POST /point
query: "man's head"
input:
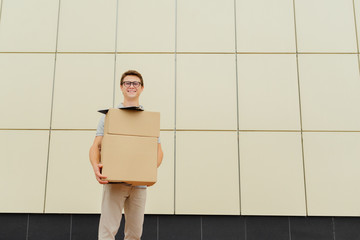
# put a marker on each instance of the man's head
(131, 73)
(131, 84)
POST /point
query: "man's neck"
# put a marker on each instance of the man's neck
(130, 103)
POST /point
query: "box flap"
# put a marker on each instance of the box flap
(104, 111)
(134, 123)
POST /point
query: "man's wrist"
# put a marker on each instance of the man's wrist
(95, 166)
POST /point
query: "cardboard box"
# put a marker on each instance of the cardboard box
(129, 146)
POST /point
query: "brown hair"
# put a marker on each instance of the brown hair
(131, 73)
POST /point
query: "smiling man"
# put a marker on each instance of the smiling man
(119, 196)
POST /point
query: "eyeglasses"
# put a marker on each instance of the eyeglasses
(128, 84)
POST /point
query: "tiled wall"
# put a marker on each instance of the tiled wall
(259, 102)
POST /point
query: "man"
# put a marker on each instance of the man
(117, 197)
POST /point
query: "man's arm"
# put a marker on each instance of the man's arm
(94, 155)
(160, 155)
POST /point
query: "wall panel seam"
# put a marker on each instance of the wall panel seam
(1, 9)
(115, 57)
(201, 227)
(175, 104)
(237, 108)
(355, 22)
(189, 130)
(52, 106)
(300, 112)
(27, 226)
(182, 53)
(157, 228)
(289, 225)
(356, 33)
(333, 227)
(70, 227)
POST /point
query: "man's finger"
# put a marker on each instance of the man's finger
(103, 181)
(100, 175)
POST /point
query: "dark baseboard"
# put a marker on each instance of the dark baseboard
(23, 226)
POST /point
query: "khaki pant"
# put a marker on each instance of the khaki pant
(117, 197)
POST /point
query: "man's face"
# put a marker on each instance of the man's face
(131, 91)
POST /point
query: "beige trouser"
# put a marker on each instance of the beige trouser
(117, 197)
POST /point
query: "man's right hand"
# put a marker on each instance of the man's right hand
(99, 177)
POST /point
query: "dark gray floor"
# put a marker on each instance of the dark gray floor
(177, 227)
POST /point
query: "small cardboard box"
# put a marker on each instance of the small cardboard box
(129, 146)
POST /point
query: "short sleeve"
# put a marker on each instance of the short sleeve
(100, 127)
(159, 140)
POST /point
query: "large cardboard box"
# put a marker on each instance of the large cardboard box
(129, 146)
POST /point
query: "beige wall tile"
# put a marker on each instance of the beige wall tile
(93, 30)
(329, 88)
(206, 92)
(158, 71)
(205, 26)
(268, 92)
(207, 180)
(71, 185)
(265, 26)
(24, 160)
(29, 26)
(26, 89)
(146, 26)
(83, 84)
(160, 197)
(325, 26)
(271, 174)
(332, 173)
